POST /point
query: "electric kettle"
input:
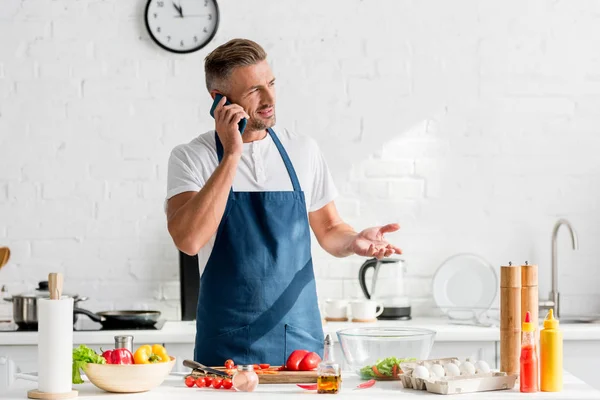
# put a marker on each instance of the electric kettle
(387, 286)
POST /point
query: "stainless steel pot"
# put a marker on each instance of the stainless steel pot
(25, 306)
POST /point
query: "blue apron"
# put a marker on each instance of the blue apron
(257, 300)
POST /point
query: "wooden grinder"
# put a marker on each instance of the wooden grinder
(530, 294)
(510, 318)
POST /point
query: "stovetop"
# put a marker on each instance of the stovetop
(82, 325)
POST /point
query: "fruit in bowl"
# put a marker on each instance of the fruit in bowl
(376, 352)
(121, 372)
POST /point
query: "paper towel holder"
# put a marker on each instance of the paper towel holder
(55, 285)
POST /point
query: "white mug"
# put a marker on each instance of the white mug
(366, 309)
(336, 308)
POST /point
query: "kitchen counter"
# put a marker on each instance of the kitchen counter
(185, 331)
(173, 387)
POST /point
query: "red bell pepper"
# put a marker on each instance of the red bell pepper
(118, 356)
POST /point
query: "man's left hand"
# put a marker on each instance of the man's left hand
(371, 242)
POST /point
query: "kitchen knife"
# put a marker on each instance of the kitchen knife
(206, 370)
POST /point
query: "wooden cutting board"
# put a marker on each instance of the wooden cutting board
(283, 376)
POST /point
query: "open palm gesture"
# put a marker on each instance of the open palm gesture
(371, 242)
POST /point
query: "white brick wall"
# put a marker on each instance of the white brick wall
(475, 125)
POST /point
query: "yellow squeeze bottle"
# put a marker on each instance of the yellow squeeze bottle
(551, 355)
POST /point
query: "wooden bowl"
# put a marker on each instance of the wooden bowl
(128, 378)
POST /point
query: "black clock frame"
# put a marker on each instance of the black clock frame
(201, 46)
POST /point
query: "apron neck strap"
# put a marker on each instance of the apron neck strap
(282, 153)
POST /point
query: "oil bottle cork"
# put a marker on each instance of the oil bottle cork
(510, 318)
(530, 294)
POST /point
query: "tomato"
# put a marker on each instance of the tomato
(264, 366)
(294, 359)
(190, 381)
(227, 384)
(256, 367)
(309, 362)
(208, 380)
(217, 382)
(200, 382)
(229, 364)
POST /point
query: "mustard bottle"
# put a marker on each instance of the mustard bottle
(551, 355)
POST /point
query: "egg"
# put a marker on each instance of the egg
(481, 367)
(421, 372)
(467, 368)
(437, 370)
(452, 370)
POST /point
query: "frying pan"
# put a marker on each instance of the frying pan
(122, 319)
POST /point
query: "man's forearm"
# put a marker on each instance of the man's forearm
(194, 223)
(338, 239)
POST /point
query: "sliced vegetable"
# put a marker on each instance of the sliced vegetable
(264, 366)
(147, 354)
(367, 384)
(81, 356)
(395, 370)
(312, 386)
(384, 369)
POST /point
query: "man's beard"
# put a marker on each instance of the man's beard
(259, 124)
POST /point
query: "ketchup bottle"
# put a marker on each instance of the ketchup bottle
(529, 359)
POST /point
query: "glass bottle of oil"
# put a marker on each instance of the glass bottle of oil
(329, 378)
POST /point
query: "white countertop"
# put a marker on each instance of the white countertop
(173, 387)
(185, 331)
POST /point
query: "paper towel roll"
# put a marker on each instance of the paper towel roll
(55, 345)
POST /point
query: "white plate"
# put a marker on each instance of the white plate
(465, 286)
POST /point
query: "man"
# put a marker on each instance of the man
(244, 203)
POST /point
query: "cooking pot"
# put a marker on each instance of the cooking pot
(25, 306)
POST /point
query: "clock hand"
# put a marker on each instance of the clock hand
(178, 9)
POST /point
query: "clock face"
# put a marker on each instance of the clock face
(182, 26)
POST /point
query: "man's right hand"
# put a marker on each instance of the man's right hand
(226, 123)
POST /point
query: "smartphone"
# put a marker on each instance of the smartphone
(218, 97)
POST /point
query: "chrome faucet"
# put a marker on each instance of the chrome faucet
(554, 301)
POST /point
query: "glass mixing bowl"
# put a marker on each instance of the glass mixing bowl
(375, 353)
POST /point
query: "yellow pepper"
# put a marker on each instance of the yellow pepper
(147, 354)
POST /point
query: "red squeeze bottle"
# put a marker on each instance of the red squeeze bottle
(529, 359)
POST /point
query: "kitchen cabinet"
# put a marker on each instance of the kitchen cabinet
(580, 358)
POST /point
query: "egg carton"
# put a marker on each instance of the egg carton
(470, 383)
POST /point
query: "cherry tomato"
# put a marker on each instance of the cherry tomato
(208, 380)
(190, 381)
(264, 366)
(227, 384)
(217, 382)
(229, 364)
(256, 366)
(200, 382)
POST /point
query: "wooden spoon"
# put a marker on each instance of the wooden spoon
(4, 256)
(55, 285)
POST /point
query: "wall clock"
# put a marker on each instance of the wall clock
(182, 26)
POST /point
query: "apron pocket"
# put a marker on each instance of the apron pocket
(232, 344)
(299, 339)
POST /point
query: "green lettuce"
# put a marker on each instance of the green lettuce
(384, 367)
(81, 356)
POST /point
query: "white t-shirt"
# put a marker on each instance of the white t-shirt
(261, 169)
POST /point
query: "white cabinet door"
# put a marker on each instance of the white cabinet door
(580, 358)
(475, 350)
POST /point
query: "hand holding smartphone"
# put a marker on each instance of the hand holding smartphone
(218, 97)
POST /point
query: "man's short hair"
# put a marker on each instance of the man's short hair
(220, 63)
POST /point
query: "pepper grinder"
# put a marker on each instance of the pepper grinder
(530, 295)
(510, 318)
